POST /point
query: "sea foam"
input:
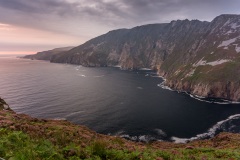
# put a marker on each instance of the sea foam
(209, 134)
(199, 98)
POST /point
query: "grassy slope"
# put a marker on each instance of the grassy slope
(24, 137)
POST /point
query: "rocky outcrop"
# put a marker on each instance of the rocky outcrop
(4, 105)
(200, 57)
(228, 91)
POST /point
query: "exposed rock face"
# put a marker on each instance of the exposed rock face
(143, 46)
(4, 105)
(200, 57)
(230, 90)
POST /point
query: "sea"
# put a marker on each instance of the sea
(131, 104)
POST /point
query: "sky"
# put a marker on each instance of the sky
(29, 26)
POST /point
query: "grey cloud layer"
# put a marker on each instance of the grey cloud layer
(60, 14)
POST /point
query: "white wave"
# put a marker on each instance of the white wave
(156, 76)
(141, 138)
(83, 75)
(160, 132)
(164, 87)
(117, 66)
(234, 102)
(145, 69)
(133, 138)
(99, 76)
(60, 119)
(145, 138)
(209, 134)
(78, 67)
(164, 79)
(199, 98)
(71, 114)
(179, 140)
(139, 87)
(118, 133)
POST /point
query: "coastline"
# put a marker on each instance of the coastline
(197, 97)
(164, 86)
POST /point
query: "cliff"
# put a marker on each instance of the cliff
(25, 137)
(4, 105)
(199, 57)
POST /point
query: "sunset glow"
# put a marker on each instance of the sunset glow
(30, 26)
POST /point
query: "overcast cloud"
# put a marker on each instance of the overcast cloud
(85, 19)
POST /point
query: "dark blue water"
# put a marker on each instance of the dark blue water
(111, 101)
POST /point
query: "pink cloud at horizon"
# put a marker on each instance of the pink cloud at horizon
(22, 40)
(17, 52)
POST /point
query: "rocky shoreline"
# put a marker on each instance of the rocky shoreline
(211, 93)
(4, 105)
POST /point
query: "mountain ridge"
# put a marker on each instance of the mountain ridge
(199, 57)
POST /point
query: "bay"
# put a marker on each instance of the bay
(111, 101)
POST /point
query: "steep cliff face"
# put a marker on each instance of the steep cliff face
(3, 105)
(200, 57)
(213, 68)
(143, 46)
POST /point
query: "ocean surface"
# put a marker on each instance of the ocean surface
(130, 104)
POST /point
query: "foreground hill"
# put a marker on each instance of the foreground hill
(202, 58)
(24, 137)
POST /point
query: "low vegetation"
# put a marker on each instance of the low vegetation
(16, 145)
(25, 138)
